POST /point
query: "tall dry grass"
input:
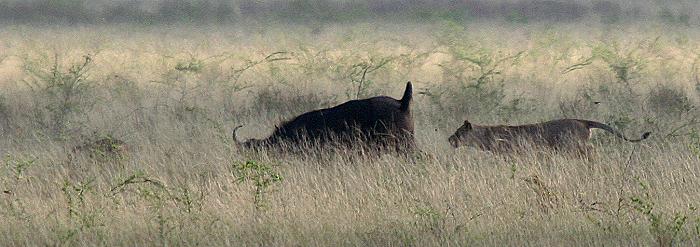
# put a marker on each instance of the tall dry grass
(172, 93)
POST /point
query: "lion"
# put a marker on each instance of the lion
(105, 147)
(560, 134)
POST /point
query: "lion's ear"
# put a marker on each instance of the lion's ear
(467, 124)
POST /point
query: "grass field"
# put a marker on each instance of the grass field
(173, 93)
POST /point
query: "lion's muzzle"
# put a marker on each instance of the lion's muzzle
(454, 141)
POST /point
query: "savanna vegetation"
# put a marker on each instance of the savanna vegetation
(120, 133)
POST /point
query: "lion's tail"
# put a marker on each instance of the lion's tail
(597, 125)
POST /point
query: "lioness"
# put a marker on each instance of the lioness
(560, 134)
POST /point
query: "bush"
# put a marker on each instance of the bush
(668, 101)
(59, 94)
(276, 101)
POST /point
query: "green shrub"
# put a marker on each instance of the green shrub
(668, 101)
(59, 94)
(262, 176)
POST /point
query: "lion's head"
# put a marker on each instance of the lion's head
(467, 135)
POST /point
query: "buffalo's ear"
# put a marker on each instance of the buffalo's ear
(467, 124)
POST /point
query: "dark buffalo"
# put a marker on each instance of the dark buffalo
(380, 124)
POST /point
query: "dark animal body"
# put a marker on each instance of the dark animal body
(560, 134)
(379, 123)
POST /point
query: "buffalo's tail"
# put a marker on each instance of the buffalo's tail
(406, 99)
